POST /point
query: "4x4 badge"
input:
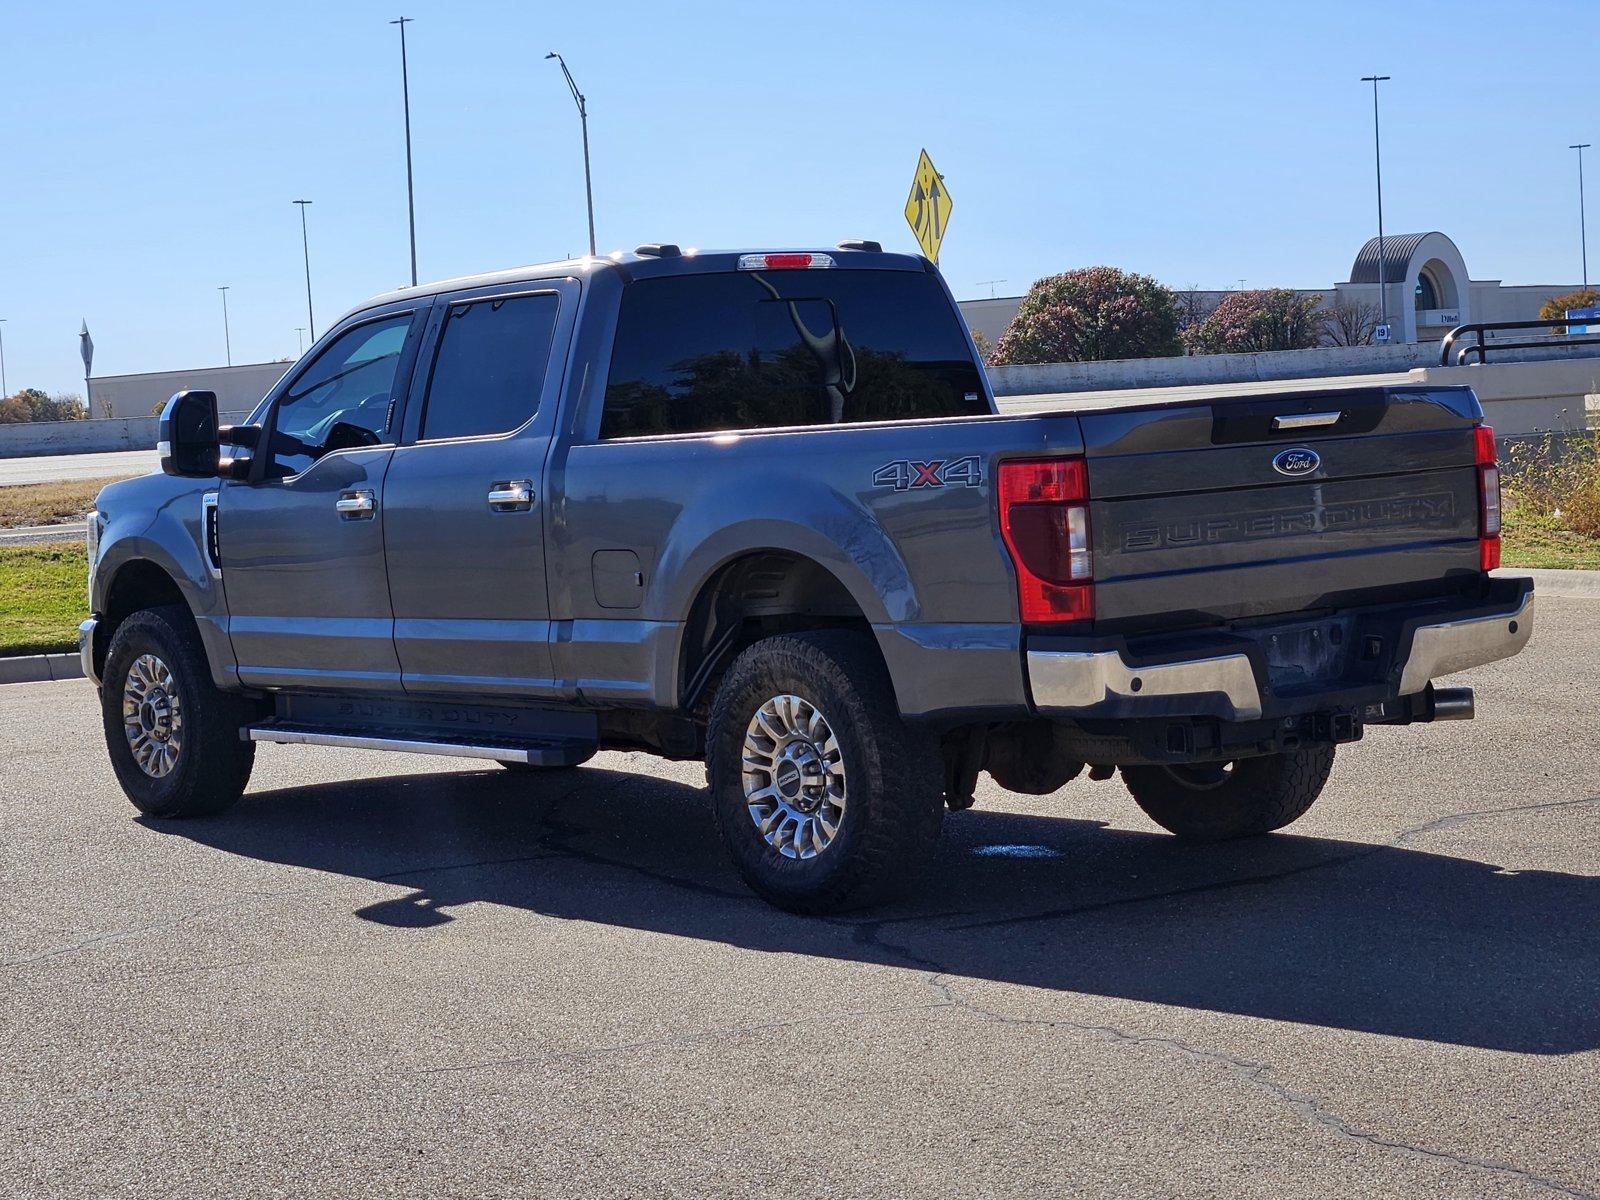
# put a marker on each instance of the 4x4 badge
(903, 475)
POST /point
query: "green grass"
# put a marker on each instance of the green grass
(1533, 541)
(42, 597)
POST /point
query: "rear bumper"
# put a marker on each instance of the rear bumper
(1348, 661)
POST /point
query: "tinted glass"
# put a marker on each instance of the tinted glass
(490, 368)
(343, 398)
(751, 349)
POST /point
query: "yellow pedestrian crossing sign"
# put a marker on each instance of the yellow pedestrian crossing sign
(928, 207)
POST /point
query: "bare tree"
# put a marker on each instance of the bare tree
(1351, 323)
(1194, 306)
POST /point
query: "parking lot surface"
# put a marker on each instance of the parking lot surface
(398, 976)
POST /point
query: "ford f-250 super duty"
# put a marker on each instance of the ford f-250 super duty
(760, 507)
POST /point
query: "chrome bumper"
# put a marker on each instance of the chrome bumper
(1068, 682)
(86, 650)
(1456, 645)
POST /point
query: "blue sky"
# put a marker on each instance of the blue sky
(149, 153)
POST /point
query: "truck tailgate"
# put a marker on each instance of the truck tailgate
(1197, 516)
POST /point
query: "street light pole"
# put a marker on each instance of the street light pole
(3, 391)
(583, 117)
(305, 245)
(299, 340)
(1583, 232)
(227, 337)
(1377, 159)
(405, 91)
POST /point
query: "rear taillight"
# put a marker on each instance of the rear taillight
(1044, 519)
(1488, 500)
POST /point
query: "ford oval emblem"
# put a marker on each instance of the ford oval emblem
(1296, 461)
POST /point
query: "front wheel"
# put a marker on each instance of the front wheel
(825, 799)
(173, 736)
(1213, 802)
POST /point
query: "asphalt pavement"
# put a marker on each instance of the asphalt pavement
(398, 976)
(48, 468)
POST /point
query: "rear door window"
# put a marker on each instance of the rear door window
(763, 349)
(489, 370)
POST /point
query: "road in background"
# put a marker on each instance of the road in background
(51, 467)
(385, 975)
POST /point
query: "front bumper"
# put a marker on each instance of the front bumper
(86, 650)
(1349, 661)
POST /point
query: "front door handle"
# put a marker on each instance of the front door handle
(511, 495)
(357, 505)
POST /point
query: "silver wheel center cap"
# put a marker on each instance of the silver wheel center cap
(798, 775)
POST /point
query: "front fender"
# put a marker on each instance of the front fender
(160, 520)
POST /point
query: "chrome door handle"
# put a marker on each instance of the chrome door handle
(356, 505)
(1306, 420)
(511, 495)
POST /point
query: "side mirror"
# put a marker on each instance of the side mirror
(188, 440)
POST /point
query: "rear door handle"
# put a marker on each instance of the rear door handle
(511, 495)
(357, 505)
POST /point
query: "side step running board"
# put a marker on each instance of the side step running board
(553, 753)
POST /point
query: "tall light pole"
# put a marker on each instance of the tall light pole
(305, 244)
(405, 91)
(3, 392)
(1377, 159)
(583, 117)
(227, 337)
(299, 340)
(1583, 232)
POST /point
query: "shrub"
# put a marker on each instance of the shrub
(30, 404)
(1556, 476)
(1556, 307)
(1090, 315)
(1272, 319)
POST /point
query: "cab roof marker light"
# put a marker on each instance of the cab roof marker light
(784, 262)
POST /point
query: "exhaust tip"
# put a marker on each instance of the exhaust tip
(1453, 704)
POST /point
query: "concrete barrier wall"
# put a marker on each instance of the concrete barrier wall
(34, 438)
(1190, 370)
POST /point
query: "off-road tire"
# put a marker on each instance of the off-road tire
(1257, 796)
(894, 808)
(213, 764)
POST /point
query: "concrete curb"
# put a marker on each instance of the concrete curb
(40, 668)
(1568, 585)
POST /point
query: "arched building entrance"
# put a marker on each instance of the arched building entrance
(1425, 283)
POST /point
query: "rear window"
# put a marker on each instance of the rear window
(759, 349)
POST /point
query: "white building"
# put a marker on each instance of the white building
(237, 388)
(1427, 289)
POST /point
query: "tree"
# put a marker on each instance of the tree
(1090, 315)
(30, 404)
(1194, 306)
(1556, 307)
(1351, 323)
(985, 348)
(1270, 319)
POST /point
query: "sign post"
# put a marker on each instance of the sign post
(928, 207)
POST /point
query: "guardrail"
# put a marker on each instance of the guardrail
(1484, 343)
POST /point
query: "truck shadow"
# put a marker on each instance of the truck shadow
(1380, 939)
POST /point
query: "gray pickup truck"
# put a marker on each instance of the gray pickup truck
(760, 507)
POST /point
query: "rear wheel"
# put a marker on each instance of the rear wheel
(825, 799)
(1212, 802)
(173, 736)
